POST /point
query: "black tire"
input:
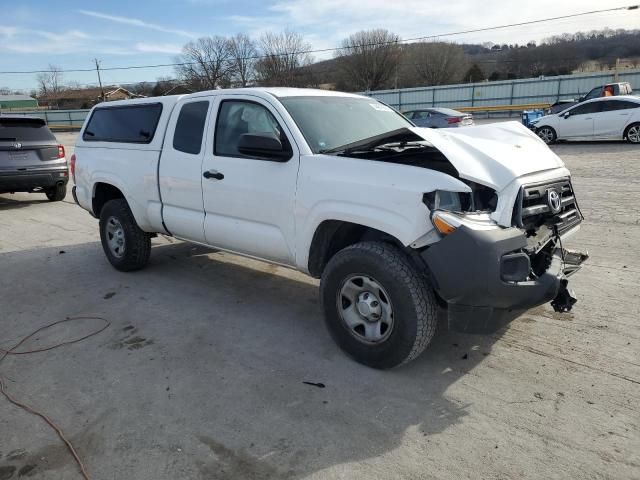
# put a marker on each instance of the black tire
(57, 193)
(136, 243)
(547, 134)
(413, 300)
(635, 139)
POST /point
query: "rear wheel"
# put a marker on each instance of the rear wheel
(632, 133)
(126, 246)
(57, 193)
(547, 134)
(378, 307)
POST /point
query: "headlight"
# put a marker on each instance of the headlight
(448, 222)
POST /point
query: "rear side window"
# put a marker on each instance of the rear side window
(190, 127)
(24, 130)
(612, 105)
(127, 124)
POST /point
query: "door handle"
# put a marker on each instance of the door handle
(216, 175)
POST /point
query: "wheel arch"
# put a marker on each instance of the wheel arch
(331, 236)
(625, 135)
(102, 193)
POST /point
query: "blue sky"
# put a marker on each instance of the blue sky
(70, 33)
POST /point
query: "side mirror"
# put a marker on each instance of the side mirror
(566, 114)
(265, 145)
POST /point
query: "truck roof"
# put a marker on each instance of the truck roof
(264, 92)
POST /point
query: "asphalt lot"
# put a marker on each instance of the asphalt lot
(200, 375)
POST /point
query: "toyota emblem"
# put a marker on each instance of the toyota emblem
(17, 146)
(554, 201)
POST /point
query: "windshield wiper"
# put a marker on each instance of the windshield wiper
(367, 144)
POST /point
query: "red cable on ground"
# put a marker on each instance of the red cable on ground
(12, 351)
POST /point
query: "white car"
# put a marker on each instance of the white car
(606, 118)
(397, 221)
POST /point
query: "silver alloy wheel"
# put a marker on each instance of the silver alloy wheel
(634, 134)
(546, 134)
(365, 308)
(115, 237)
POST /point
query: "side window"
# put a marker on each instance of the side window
(187, 137)
(410, 115)
(126, 124)
(613, 105)
(591, 107)
(237, 117)
(423, 115)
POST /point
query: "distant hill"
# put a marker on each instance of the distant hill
(559, 55)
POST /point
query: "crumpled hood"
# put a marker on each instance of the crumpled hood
(493, 154)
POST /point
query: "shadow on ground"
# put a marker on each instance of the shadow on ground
(9, 203)
(206, 356)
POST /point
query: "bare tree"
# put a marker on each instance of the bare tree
(369, 59)
(438, 63)
(206, 63)
(243, 58)
(50, 83)
(284, 60)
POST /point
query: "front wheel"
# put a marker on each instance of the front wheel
(547, 134)
(632, 134)
(378, 307)
(126, 246)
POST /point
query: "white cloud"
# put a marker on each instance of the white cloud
(168, 48)
(137, 23)
(25, 40)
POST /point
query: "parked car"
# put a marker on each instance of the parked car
(439, 118)
(395, 220)
(607, 90)
(31, 159)
(561, 105)
(605, 118)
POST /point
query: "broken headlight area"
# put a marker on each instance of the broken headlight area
(479, 199)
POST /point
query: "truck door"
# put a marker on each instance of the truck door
(180, 171)
(249, 199)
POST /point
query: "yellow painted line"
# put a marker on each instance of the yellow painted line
(504, 108)
(62, 126)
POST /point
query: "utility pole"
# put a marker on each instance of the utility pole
(615, 75)
(99, 79)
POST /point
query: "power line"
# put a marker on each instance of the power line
(336, 49)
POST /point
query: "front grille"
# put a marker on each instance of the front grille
(532, 209)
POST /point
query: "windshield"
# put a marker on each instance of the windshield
(330, 122)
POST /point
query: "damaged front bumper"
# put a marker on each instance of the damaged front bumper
(486, 277)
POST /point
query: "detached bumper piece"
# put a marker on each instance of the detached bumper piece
(487, 280)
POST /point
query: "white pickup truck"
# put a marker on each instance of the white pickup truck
(397, 221)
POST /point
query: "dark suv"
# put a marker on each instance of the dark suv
(31, 160)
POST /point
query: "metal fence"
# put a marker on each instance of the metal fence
(506, 92)
(72, 119)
